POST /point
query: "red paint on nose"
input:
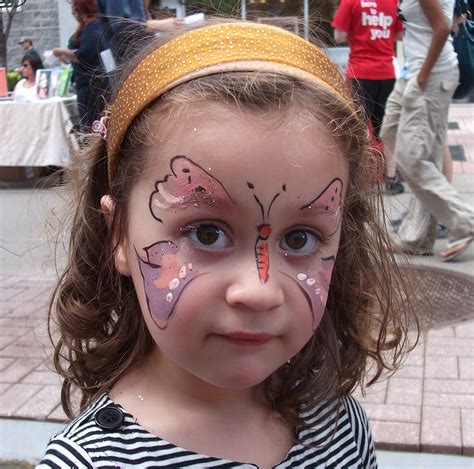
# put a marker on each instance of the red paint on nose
(263, 262)
(264, 231)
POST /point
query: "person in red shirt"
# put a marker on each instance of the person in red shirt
(371, 29)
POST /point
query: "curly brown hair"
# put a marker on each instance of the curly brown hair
(101, 329)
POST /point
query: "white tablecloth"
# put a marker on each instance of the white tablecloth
(37, 133)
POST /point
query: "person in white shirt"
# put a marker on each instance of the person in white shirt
(25, 89)
(415, 128)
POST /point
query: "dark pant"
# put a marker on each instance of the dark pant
(373, 95)
(90, 102)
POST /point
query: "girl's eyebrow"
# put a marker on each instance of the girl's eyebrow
(205, 200)
(317, 209)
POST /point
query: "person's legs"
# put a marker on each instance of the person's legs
(365, 91)
(388, 153)
(383, 90)
(419, 151)
(385, 87)
(441, 231)
(373, 95)
(388, 131)
(448, 164)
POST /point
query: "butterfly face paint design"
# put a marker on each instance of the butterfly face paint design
(315, 281)
(264, 231)
(187, 185)
(164, 279)
(328, 202)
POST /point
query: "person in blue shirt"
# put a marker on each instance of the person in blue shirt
(83, 53)
(115, 16)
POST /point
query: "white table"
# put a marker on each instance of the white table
(37, 133)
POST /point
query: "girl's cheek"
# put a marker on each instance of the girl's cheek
(166, 273)
(315, 281)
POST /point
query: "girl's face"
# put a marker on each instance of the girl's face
(233, 231)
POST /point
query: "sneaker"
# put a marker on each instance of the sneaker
(456, 248)
(441, 232)
(393, 186)
(416, 252)
(396, 222)
(414, 249)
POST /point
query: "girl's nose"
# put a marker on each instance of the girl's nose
(248, 291)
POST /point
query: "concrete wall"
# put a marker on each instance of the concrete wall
(49, 23)
(67, 22)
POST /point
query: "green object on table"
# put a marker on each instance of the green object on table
(64, 79)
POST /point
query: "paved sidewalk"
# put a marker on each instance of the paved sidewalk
(427, 406)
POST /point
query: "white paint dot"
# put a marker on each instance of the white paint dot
(182, 272)
(318, 291)
(173, 284)
(190, 266)
(302, 276)
(311, 281)
(169, 297)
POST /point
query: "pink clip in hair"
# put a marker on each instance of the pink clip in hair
(99, 126)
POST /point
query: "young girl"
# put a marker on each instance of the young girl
(228, 278)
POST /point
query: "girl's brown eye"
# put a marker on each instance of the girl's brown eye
(208, 237)
(208, 234)
(296, 240)
(299, 241)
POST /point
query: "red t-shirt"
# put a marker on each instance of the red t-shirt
(371, 27)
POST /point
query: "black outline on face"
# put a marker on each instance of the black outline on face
(151, 265)
(261, 245)
(261, 238)
(306, 294)
(147, 281)
(307, 206)
(199, 189)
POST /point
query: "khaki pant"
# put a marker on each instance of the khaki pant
(417, 120)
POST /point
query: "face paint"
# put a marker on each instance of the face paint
(187, 185)
(264, 231)
(261, 252)
(315, 283)
(328, 202)
(164, 278)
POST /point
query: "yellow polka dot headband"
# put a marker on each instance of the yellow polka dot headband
(215, 49)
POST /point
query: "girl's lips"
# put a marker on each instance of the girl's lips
(246, 338)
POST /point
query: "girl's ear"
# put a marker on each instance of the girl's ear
(120, 252)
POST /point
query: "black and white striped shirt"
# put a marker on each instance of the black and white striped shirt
(85, 444)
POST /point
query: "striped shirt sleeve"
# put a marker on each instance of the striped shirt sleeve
(62, 452)
(362, 432)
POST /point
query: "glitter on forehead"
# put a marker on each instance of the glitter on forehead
(242, 46)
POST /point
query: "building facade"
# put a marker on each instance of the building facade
(48, 23)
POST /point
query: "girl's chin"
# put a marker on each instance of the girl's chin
(241, 380)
